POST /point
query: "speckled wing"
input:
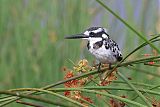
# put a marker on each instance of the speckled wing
(112, 45)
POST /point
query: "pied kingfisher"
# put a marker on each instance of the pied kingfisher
(100, 45)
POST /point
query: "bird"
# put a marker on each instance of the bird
(100, 45)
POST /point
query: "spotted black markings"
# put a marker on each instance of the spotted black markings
(112, 45)
(106, 45)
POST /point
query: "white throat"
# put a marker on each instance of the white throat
(93, 40)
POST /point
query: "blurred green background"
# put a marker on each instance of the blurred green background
(32, 46)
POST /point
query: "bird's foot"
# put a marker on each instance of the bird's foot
(110, 66)
(99, 67)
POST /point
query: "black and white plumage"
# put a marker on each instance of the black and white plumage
(100, 45)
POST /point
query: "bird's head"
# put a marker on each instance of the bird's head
(91, 34)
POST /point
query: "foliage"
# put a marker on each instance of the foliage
(33, 53)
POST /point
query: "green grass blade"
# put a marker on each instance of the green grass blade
(129, 26)
(134, 88)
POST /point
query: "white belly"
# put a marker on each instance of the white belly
(103, 55)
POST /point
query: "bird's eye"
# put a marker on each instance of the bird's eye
(91, 33)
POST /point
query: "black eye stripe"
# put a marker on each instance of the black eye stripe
(98, 34)
(92, 33)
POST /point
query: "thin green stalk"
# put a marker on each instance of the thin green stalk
(143, 71)
(84, 75)
(53, 85)
(154, 39)
(33, 98)
(129, 63)
(113, 96)
(141, 60)
(101, 93)
(102, 88)
(96, 88)
(146, 91)
(135, 83)
(6, 98)
(142, 45)
(88, 102)
(134, 88)
(129, 26)
(52, 93)
(57, 95)
(120, 63)
(155, 65)
(93, 88)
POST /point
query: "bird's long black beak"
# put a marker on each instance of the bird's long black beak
(77, 36)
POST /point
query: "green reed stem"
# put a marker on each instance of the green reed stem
(129, 26)
(135, 89)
